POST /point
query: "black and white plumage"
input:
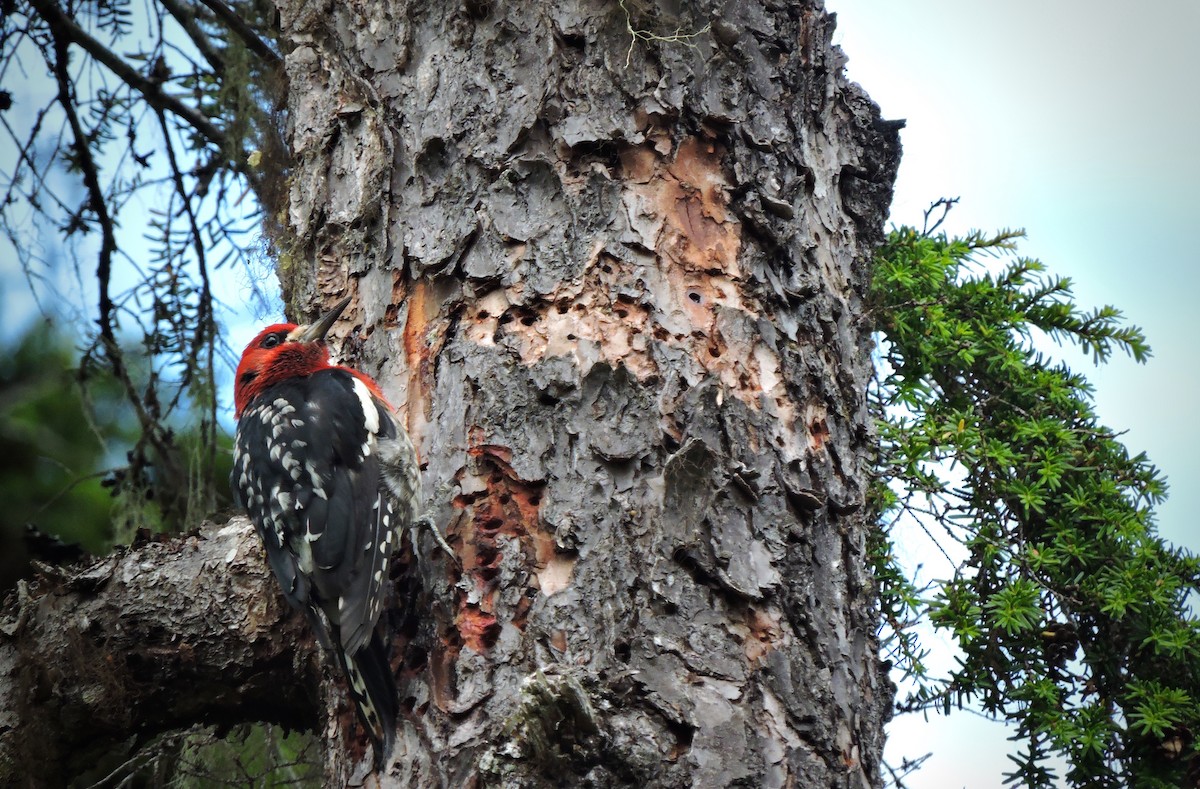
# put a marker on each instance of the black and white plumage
(330, 481)
(309, 470)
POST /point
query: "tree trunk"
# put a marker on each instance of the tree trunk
(609, 260)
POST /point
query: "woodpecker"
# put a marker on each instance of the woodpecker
(330, 479)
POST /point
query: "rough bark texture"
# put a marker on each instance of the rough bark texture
(152, 639)
(615, 285)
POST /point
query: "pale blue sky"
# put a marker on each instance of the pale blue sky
(1078, 122)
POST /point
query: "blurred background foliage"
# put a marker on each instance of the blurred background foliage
(67, 436)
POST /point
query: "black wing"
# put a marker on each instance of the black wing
(307, 470)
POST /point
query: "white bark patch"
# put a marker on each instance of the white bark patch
(692, 296)
(556, 575)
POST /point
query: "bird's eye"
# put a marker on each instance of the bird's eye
(270, 341)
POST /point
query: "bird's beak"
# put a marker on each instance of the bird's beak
(316, 331)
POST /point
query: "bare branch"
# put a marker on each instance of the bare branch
(108, 243)
(187, 20)
(204, 336)
(243, 31)
(24, 156)
(64, 27)
(146, 641)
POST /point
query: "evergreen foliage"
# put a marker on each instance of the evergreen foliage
(51, 453)
(1070, 613)
(66, 435)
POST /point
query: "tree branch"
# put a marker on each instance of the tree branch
(186, 18)
(204, 335)
(243, 31)
(152, 639)
(152, 429)
(152, 91)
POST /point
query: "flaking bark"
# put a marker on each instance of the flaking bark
(151, 639)
(615, 285)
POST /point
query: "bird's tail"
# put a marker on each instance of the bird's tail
(374, 691)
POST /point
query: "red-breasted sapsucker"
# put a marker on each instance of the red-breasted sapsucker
(330, 480)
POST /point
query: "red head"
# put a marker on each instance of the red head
(283, 351)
